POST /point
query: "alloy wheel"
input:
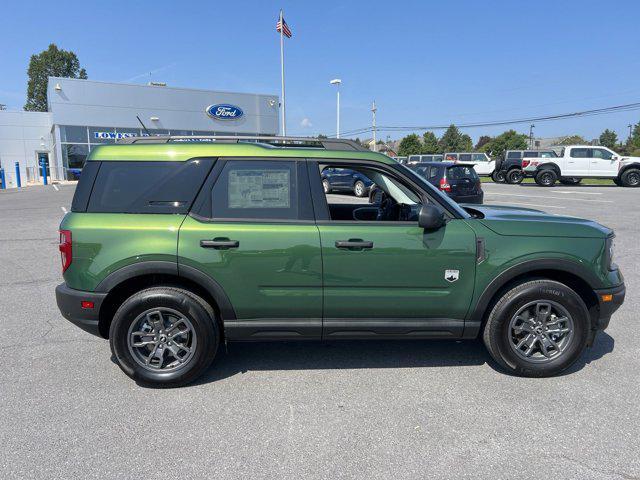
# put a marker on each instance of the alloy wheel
(633, 178)
(541, 331)
(161, 339)
(359, 189)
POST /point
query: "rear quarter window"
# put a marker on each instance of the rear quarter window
(147, 187)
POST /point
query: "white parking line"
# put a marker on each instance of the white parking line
(56, 187)
(64, 210)
(532, 205)
(549, 196)
(579, 193)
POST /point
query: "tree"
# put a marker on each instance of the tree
(608, 139)
(466, 144)
(573, 140)
(410, 145)
(633, 143)
(509, 140)
(52, 62)
(482, 141)
(429, 143)
(453, 141)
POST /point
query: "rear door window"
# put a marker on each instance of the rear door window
(580, 153)
(147, 187)
(261, 190)
(514, 155)
(465, 157)
(479, 157)
(530, 154)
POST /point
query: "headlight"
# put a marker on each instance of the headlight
(609, 253)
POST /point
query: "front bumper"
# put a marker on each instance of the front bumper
(70, 305)
(609, 300)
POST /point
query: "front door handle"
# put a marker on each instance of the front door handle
(220, 243)
(354, 243)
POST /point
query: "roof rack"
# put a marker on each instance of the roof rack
(292, 142)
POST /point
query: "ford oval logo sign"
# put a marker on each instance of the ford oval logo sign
(224, 111)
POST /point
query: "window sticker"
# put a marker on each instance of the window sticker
(259, 189)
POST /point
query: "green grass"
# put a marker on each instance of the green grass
(585, 181)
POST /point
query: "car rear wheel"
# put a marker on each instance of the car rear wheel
(546, 178)
(537, 329)
(359, 189)
(570, 181)
(325, 186)
(497, 176)
(164, 337)
(631, 178)
(514, 176)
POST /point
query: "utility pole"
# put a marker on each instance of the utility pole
(373, 125)
(531, 135)
(630, 130)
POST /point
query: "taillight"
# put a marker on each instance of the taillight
(444, 186)
(66, 253)
(525, 163)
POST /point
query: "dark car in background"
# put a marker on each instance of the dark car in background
(509, 167)
(458, 180)
(335, 180)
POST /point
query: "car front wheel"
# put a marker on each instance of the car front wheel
(631, 178)
(164, 336)
(515, 176)
(537, 329)
(498, 176)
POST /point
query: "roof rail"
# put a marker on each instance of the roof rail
(292, 142)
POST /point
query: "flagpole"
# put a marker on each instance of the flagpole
(284, 107)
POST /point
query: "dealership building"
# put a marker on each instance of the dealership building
(86, 113)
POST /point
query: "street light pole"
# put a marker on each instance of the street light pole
(531, 135)
(630, 129)
(337, 82)
(373, 125)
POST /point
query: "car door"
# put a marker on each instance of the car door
(251, 231)
(577, 162)
(482, 164)
(603, 163)
(391, 277)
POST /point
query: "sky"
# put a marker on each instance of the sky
(423, 62)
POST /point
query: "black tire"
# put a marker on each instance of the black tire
(326, 186)
(546, 177)
(514, 176)
(570, 181)
(498, 176)
(359, 189)
(630, 178)
(199, 314)
(498, 332)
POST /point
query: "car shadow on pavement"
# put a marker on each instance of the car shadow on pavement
(244, 357)
(575, 187)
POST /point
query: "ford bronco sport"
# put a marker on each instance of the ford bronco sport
(175, 245)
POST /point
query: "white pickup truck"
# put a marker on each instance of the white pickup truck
(584, 161)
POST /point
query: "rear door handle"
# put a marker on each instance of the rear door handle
(354, 244)
(220, 243)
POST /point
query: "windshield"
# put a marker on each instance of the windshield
(433, 191)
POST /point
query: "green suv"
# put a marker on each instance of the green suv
(175, 245)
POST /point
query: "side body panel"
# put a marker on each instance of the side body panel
(274, 276)
(105, 242)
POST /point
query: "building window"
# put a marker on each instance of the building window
(71, 134)
(74, 155)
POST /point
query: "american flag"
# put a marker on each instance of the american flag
(283, 25)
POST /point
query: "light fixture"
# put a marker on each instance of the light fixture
(154, 119)
(272, 102)
(58, 87)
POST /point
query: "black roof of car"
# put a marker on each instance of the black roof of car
(438, 164)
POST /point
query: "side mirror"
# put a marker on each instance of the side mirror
(430, 217)
(614, 157)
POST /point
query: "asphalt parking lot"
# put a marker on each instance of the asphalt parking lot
(375, 410)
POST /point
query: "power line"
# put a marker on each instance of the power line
(547, 118)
